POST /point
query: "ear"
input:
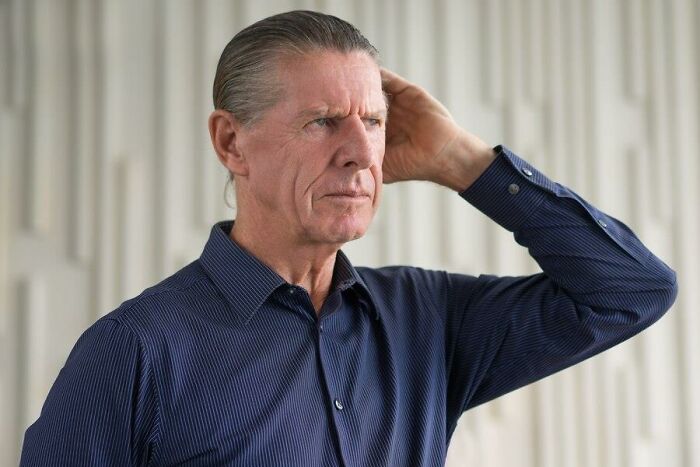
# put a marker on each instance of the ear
(224, 130)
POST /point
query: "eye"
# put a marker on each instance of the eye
(322, 122)
(374, 122)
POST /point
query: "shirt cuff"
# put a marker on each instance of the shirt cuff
(509, 190)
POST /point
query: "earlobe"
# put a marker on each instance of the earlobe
(224, 130)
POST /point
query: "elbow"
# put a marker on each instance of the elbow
(663, 296)
(671, 292)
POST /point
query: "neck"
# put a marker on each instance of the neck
(301, 263)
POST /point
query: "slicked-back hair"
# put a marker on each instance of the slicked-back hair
(245, 82)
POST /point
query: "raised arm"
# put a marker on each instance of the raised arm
(599, 284)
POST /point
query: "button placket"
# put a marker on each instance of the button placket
(329, 379)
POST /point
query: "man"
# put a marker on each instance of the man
(272, 349)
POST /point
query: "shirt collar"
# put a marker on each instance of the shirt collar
(347, 277)
(246, 282)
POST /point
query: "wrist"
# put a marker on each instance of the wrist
(463, 161)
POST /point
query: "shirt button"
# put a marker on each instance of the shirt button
(602, 223)
(513, 188)
(338, 405)
(527, 171)
(291, 290)
(320, 327)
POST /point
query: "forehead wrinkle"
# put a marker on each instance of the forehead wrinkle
(338, 112)
(337, 102)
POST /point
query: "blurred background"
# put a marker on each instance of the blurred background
(108, 183)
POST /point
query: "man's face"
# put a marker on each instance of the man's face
(315, 157)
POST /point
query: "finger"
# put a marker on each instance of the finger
(393, 83)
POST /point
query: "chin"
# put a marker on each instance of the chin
(342, 231)
(340, 235)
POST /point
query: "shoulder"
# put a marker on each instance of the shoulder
(401, 276)
(166, 305)
(405, 284)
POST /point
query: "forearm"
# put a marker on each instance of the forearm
(592, 255)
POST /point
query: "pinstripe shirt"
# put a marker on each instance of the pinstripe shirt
(225, 363)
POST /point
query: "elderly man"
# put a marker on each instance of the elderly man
(271, 349)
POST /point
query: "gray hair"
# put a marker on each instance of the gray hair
(245, 82)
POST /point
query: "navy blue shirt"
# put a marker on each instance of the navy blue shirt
(225, 363)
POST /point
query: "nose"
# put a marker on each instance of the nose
(356, 148)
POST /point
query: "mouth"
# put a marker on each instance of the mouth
(348, 196)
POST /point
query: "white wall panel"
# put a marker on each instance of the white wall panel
(108, 183)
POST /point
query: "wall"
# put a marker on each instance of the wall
(108, 183)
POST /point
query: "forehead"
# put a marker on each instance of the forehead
(335, 80)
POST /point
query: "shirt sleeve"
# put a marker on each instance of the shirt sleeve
(102, 408)
(599, 286)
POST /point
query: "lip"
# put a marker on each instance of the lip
(351, 193)
(348, 196)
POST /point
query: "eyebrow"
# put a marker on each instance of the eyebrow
(318, 112)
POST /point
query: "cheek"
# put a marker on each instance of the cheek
(270, 181)
(300, 186)
(380, 147)
(274, 168)
(310, 170)
(270, 184)
(378, 177)
(379, 159)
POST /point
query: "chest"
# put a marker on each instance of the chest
(292, 392)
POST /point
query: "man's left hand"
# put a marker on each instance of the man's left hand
(423, 142)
